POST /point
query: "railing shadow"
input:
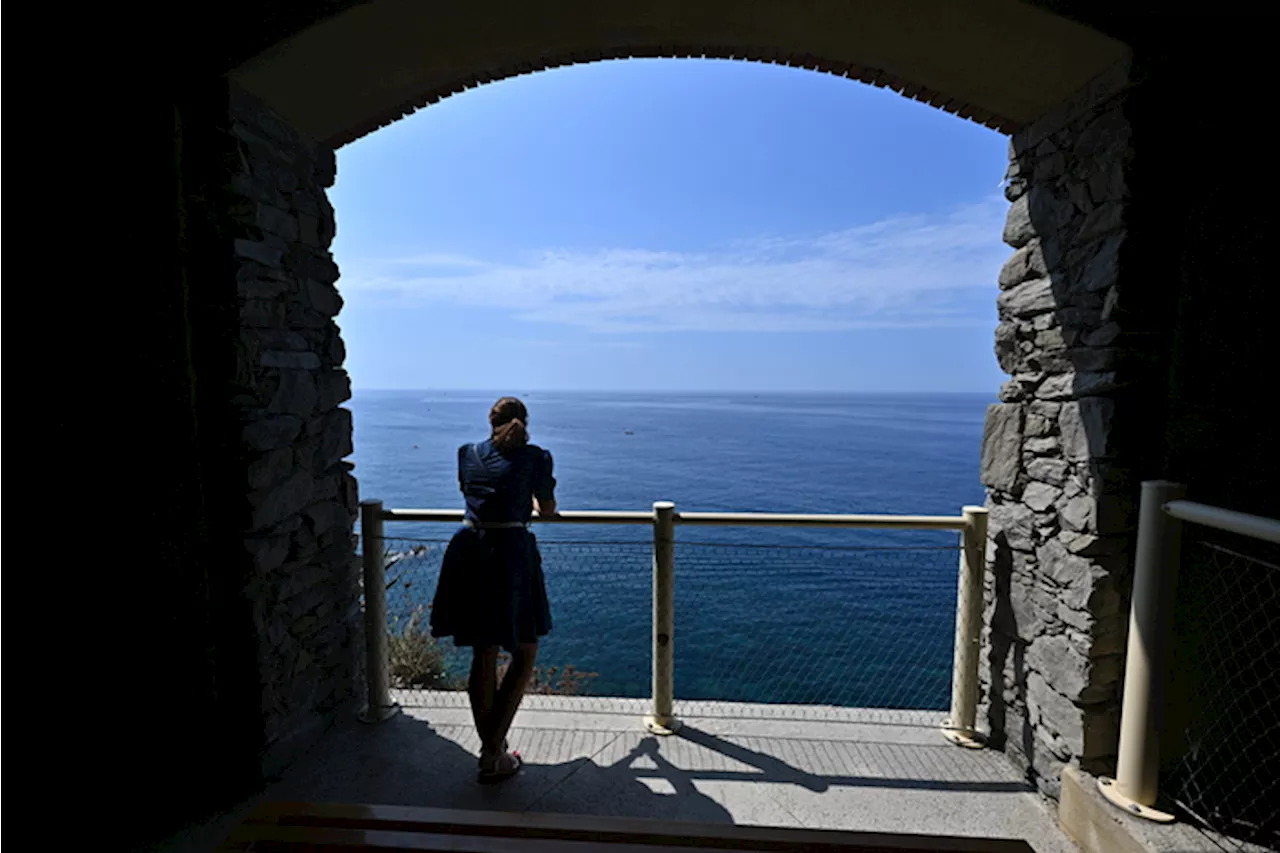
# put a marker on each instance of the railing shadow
(771, 768)
(692, 803)
(774, 769)
(1010, 726)
(405, 761)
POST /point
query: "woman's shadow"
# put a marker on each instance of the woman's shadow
(405, 761)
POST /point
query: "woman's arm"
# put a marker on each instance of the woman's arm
(544, 492)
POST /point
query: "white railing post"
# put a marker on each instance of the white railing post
(379, 706)
(662, 720)
(1155, 577)
(961, 727)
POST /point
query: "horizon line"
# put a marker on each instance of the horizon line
(993, 391)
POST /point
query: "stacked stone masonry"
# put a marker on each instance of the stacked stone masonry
(289, 387)
(1059, 499)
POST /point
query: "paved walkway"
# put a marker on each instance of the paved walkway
(832, 768)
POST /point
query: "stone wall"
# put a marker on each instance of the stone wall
(288, 389)
(1060, 494)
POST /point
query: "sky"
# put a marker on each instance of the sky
(672, 225)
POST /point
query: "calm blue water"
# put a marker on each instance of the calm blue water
(836, 617)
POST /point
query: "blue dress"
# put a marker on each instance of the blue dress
(491, 590)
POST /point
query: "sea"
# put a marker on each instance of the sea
(777, 615)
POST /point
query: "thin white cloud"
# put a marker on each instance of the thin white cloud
(563, 343)
(904, 271)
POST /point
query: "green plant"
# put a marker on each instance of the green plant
(415, 659)
(567, 680)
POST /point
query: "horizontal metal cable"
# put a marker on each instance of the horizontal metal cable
(762, 546)
(730, 519)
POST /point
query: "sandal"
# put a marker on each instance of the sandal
(494, 773)
(506, 747)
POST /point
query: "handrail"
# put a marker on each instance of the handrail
(788, 519)
(1256, 526)
(1157, 557)
(960, 727)
(707, 519)
(571, 517)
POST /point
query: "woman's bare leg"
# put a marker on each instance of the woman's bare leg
(482, 687)
(510, 692)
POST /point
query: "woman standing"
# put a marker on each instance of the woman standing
(491, 594)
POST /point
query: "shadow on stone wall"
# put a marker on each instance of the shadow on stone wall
(1057, 450)
(295, 436)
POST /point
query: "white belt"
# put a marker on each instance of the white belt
(494, 525)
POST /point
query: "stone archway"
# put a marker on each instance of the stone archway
(1051, 457)
(998, 62)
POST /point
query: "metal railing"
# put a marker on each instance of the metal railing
(1223, 770)
(1162, 513)
(960, 727)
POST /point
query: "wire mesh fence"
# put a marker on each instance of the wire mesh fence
(860, 627)
(867, 627)
(599, 643)
(1227, 778)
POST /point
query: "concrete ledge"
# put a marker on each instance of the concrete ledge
(1092, 822)
(1099, 827)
